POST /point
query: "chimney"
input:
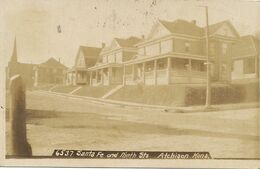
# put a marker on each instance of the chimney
(59, 59)
(194, 22)
(143, 37)
(103, 44)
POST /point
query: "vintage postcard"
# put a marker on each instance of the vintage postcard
(130, 83)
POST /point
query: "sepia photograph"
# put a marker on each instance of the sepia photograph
(131, 81)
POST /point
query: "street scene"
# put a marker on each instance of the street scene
(171, 82)
(58, 122)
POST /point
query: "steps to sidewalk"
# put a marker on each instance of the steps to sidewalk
(73, 91)
(112, 91)
(52, 88)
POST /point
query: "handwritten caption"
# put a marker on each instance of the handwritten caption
(129, 154)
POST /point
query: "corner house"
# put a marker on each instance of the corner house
(174, 52)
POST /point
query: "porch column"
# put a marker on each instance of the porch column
(96, 77)
(109, 75)
(90, 79)
(144, 73)
(124, 75)
(73, 78)
(256, 67)
(102, 77)
(76, 78)
(190, 71)
(169, 70)
(133, 72)
(155, 72)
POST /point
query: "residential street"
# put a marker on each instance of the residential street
(57, 122)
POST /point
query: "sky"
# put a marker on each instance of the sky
(35, 23)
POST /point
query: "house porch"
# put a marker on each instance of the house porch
(164, 71)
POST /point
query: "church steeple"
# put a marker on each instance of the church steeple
(14, 55)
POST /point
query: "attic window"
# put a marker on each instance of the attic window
(187, 47)
(225, 31)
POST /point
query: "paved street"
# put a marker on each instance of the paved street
(56, 122)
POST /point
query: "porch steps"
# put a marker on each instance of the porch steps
(73, 91)
(112, 91)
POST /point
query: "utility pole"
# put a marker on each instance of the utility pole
(208, 90)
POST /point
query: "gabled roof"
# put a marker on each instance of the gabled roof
(182, 27)
(129, 42)
(90, 51)
(53, 63)
(245, 46)
(214, 27)
(91, 55)
(190, 28)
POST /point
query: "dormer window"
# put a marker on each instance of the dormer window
(187, 47)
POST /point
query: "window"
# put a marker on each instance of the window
(105, 59)
(153, 49)
(161, 65)
(249, 65)
(225, 31)
(224, 48)
(212, 48)
(187, 47)
(149, 66)
(111, 58)
(166, 46)
(197, 65)
(141, 51)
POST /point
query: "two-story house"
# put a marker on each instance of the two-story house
(49, 72)
(174, 52)
(109, 68)
(86, 57)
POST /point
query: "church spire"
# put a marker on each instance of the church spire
(14, 55)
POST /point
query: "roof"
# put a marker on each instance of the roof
(53, 63)
(183, 27)
(129, 42)
(90, 51)
(91, 55)
(245, 46)
(214, 27)
(190, 28)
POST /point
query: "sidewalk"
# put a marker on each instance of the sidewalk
(188, 109)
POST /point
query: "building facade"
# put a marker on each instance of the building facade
(49, 72)
(109, 68)
(79, 74)
(245, 60)
(174, 52)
